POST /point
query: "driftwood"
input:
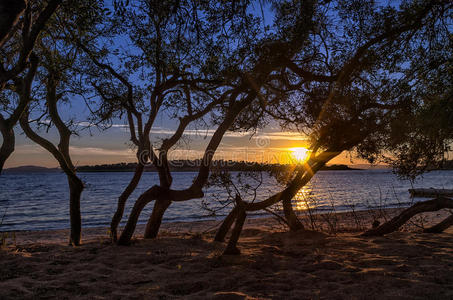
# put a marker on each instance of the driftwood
(441, 226)
(431, 192)
(420, 207)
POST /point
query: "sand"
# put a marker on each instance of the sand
(184, 263)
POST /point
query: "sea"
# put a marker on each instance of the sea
(40, 201)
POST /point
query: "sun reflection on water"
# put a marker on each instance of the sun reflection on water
(303, 199)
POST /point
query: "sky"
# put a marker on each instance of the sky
(94, 146)
(269, 145)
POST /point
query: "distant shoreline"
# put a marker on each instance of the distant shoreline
(232, 167)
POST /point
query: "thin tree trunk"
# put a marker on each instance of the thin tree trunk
(153, 225)
(232, 248)
(75, 190)
(438, 228)
(226, 225)
(148, 196)
(116, 219)
(291, 217)
(395, 223)
(195, 190)
(7, 147)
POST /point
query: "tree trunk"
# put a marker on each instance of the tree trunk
(141, 202)
(291, 217)
(441, 226)
(395, 223)
(153, 225)
(7, 147)
(226, 225)
(116, 219)
(232, 248)
(75, 190)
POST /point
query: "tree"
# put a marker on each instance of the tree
(254, 62)
(57, 82)
(21, 23)
(359, 83)
(420, 140)
(172, 66)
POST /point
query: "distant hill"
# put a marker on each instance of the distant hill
(31, 169)
(193, 165)
(176, 166)
(447, 165)
(338, 168)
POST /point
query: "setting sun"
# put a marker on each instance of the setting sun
(301, 154)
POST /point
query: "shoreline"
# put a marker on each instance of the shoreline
(208, 219)
(345, 222)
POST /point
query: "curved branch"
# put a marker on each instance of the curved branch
(29, 41)
(419, 207)
(442, 226)
(302, 178)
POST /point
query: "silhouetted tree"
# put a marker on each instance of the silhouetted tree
(57, 82)
(21, 23)
(253, 60)
(173, 67)
(345, 88)
(419, 140)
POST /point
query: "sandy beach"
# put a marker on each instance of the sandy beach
(184, 262)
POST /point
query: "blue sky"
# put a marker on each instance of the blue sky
(94, 146)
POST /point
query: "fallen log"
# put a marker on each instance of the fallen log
(431, 192)
(419, 207)
(438, 228)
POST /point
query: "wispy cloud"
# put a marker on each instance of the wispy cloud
(205, 133)
(29, 149)
(76, 150)
(198, 132)
(94, 151)
(89, 124)
(283, 135)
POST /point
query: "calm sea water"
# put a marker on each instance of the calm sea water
(35, 201)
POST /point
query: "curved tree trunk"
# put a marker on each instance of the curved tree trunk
(291, 217)
(7, 125)
(226, 225)
(395, 223)
(75, 192)
(159, 194)
(7, 147)
(232, 248)
(116, 219)
(194, 191)
(153, 225)
(148, 196)
(438, 228)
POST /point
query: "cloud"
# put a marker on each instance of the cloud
(199, 132)
(275, 135)
(89, 124)
(75, 150)
(29, 149)
(283, 135)
(94, 151)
